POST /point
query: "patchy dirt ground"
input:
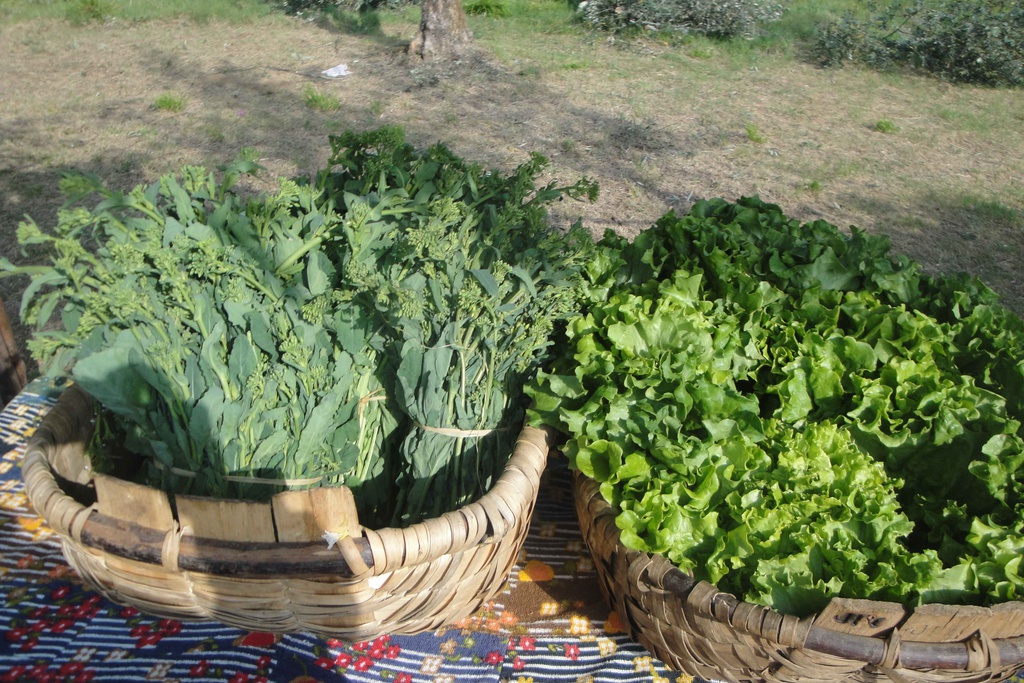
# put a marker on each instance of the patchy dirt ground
(656, 127)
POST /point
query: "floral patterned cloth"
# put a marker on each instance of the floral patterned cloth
(549, 624)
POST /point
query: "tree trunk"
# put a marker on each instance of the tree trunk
(443, 33)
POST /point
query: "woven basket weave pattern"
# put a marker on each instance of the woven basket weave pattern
(397, 581)
(692, 626)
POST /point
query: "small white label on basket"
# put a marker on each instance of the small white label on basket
(331, 538)
(376, 582)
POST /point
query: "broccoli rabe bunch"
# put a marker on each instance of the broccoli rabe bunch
(373, 327)
(197, 321)
(469, 281)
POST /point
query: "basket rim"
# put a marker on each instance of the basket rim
(788, 630)
(130, 540)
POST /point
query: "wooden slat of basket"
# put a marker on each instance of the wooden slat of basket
(251, 615)
(943, 623)
(306, 515)
(1007, 620)
(860, 617)
(133, 502)
(70, 463)
(480, 565)
(429, 575)
(226, 520)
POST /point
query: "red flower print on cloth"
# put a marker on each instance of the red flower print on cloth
(378, 648)
(15, 673)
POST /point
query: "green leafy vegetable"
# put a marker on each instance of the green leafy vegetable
(467, 282)
(373, 327)
(183, 316)
(793, 414)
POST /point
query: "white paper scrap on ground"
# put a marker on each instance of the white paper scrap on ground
(337, 71)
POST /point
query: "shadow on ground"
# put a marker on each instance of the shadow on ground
(958, 234)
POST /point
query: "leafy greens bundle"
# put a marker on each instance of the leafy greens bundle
(793, 414)
(372, 328)
(466, 281)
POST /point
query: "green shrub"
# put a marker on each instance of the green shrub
(716, 18)
(966, 41)
(490, 8)
(363, 20)
(87, 11)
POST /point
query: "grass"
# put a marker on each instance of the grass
(318, 100)
(169, 102)
(885, 126)
(525, 17)
(698, 51)
(755, 135)
(992, 210)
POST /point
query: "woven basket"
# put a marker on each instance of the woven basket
(13, 376)
(692, 626)
(266, 566)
